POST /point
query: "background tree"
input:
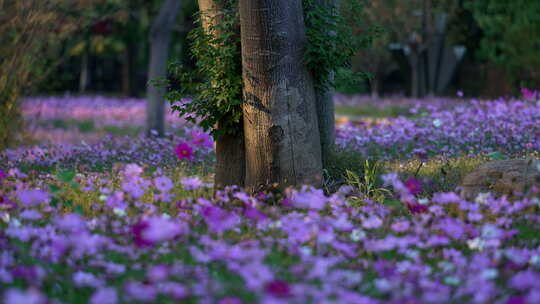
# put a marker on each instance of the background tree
(279, 98)
(31, 37)
(160, 36)
(511, 37)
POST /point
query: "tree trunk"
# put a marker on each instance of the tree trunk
(230, 150)
(415, 74)
(160, 36)
(85, 73)
(375, 87)
(280, 117)
(325, 107)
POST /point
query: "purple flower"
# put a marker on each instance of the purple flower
(401, 226)
(201, 139)
(107, 295)
(133, 170)
(31, 214)
(525, 279)
(82, 279)
(71, 222)
(141, 292)
(163, 183)
(372, 222)
(310, 199)
(33, 197)
(3, 175)
(230, 300)
(446, 198)
(30, 296)
(155, 229)
(191, 183)
(219, 220)
(157, 273)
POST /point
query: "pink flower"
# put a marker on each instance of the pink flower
(413, 185)
(155, 229)
(278, 289)
(528, 94)
(184, 151)
(201, 139)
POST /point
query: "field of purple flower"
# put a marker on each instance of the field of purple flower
(91, 212)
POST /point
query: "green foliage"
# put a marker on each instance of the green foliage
(349, 82)
(331, 40)
(215, 85)
(511, 31)
(368, 185)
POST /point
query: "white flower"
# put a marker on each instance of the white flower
(305, 251)
(476, 244)
(489, 273)
(482, 198)
(452, 281)
(423, 201)
(357, 235)
(535, 259)
(119, 212)
(5, 217)
(437, 123)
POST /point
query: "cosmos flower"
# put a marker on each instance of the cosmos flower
(201, 139)
(163, 183)
(191, 183)
(184, 151)
(414, 186)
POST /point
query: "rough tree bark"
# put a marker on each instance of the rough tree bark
(230, 150)
(280, 117)
(325, 107)
(160, 36)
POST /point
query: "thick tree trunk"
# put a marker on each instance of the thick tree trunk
(280, 117)
(325, 107)
(160, 36)
(230, 149)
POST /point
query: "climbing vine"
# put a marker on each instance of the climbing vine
(215, 85)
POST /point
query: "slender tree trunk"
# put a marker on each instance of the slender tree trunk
(415, 74)
(280, 117)
(375, 87)
(160, 36)
(230, 149)
(325, 107)
(85, 73)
